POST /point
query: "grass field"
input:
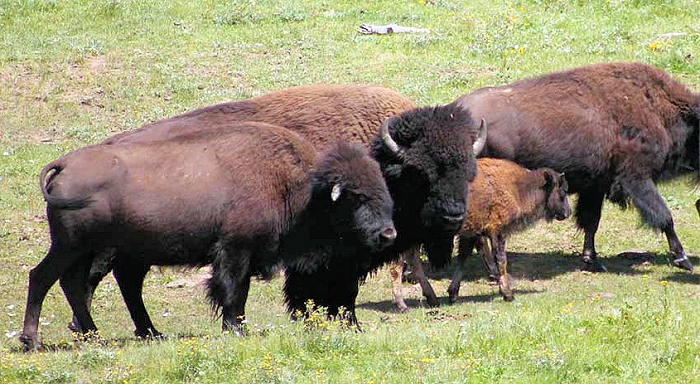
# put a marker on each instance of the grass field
(75, 72)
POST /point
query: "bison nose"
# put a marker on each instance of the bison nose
(453, 219)
(388, 234)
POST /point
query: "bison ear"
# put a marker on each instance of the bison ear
(336, 191)
(563, 183)
(548, 179)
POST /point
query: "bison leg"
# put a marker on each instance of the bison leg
(655, 213)
(588, 210)
(498, 248)
(396, 271)
(332, 287)
(74, 283)
(414, 262)
(130, 276)
(41, 278)
(101, 265)
(466, 245)
(488, 257)
(228, 287)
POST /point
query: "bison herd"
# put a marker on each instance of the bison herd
(332, 182)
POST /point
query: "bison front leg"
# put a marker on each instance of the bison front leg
(130, 275)
(466, 245)
(414, 262)
(588, 210)
(655, 213)
(396, 271)
(228, 288)
(498, 248)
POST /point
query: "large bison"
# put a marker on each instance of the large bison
(425, 154)
(242, 197)
(615, 129)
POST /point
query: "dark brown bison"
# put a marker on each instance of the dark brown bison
(242, 197)
(504, 198)
(425, 158)
(615, 129)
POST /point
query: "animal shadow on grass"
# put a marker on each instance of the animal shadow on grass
(544, 266)
(115, 342)
(533, 267)
(627, 262)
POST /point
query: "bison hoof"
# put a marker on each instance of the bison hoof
(507, 294)
(74, 327)
(30, 344)
(403, 308)
(593, 263)
(683, 263)
(433, 302)
(149, 334)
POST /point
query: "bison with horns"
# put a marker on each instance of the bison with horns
(615, 129)
(427, 155)
(243, 197)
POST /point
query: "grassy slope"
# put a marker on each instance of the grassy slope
(74, 72)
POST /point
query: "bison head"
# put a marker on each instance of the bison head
(427, 155)
(556, 189)
(356, 197)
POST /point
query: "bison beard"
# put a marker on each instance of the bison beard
(615, 129)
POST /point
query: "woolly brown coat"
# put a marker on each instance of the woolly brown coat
(323, 114)
(503, 198)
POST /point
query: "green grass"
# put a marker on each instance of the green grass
(75, 72)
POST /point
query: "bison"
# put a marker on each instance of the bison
(243, 197)
(425, 154)
(503, 199)
(615, 129)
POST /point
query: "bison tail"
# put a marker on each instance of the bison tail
(54, 168)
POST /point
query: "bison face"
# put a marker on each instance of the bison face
(427, 156)
(556, 189)
(358, 201)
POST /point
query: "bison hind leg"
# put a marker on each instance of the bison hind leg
(656, 214)
(59, 258)
(74, 283)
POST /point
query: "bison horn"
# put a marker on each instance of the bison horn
(336, 191)
(480, 142)
(387, 139)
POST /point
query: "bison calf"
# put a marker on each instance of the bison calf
(243, 197)
(504, 198)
